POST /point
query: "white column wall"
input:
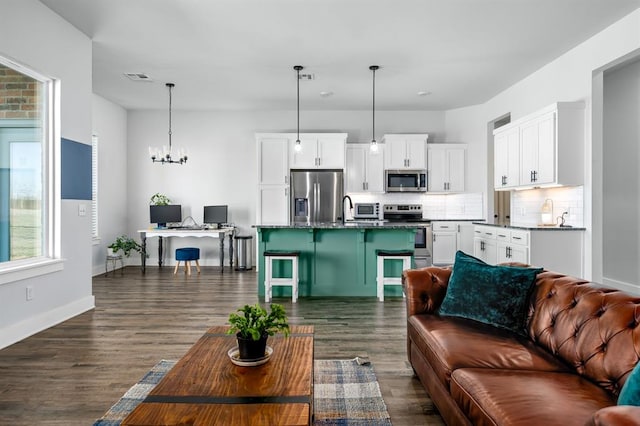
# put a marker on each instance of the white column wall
(110, 124)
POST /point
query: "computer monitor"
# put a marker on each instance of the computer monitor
(215, 214)
(165, 214)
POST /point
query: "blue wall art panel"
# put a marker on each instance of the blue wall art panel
(76, 170)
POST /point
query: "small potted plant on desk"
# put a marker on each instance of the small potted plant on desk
(158, 199)
(253, 325)
(125, 244)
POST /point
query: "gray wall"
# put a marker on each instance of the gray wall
(621, 175)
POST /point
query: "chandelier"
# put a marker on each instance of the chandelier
(163, 155)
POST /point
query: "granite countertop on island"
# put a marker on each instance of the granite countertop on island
(347, 225)
(532, 227)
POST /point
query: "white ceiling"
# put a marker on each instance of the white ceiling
(239, 54)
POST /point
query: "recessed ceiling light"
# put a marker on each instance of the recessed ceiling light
(326, 94)
(423, 93)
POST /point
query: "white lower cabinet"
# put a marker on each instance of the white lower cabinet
(444, 243)
(448, 238)
(273, 205)
(512, 246)
(484, 244)
(552, 249)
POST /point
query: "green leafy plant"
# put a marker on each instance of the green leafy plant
(158, 199)
(253, 321)
(126, 244)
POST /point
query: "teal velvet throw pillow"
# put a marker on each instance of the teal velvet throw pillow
(495, 295)
(630, 392)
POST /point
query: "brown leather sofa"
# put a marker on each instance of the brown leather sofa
(582, 342)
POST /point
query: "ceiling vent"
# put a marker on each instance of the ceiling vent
(138, 76)
(307, 77)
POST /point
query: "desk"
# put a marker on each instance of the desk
(200, 233)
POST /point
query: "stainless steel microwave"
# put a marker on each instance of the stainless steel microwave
(405, 180)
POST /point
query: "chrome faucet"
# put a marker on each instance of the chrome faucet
(344, 216)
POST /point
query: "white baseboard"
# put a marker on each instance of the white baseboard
(19, 331)
(621, 285)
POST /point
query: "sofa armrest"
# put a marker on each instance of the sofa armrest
(627, 415)
(425, 289)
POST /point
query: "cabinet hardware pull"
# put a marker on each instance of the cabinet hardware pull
(458, 228)
(516, 238)
(286, 179)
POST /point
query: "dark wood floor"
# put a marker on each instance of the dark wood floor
(72, 373)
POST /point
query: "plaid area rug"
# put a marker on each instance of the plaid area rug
(345, 394)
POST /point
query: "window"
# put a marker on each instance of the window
(27, 174)
(94, 187)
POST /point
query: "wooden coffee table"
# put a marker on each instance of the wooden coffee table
(205, 388)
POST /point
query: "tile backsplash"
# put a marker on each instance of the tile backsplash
(526, 205)
(434, 206)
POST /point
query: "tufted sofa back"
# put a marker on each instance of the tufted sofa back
(594, 329)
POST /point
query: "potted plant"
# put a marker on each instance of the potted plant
(125, 244)
(158, 199)
(253, 325)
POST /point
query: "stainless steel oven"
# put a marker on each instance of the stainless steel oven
(412, 213)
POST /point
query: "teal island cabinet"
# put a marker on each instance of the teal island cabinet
(335, 259)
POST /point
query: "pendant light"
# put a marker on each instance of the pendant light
(374, 143)
(163, 155)
(298, 68)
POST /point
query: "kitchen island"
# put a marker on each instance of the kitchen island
(335, 259)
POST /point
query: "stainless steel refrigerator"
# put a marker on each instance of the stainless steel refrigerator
(316, 196)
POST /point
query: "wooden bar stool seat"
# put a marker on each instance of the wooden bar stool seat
(270, 281)
(382, 256)
(187, 255)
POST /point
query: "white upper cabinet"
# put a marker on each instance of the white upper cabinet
(273, 159)
(550, 145)
(507, 159)
(446, 167)
(319, 151)
(405, 151)
(364, 171)
(538, 150)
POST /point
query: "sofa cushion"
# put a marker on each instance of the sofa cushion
(449, 343)
(630, 393)
(495, 295)
(526, 398)
(594, 329)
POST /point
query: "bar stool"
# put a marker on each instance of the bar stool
(381, 280)
(186, 255)
(113, 258)
(270, 281)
